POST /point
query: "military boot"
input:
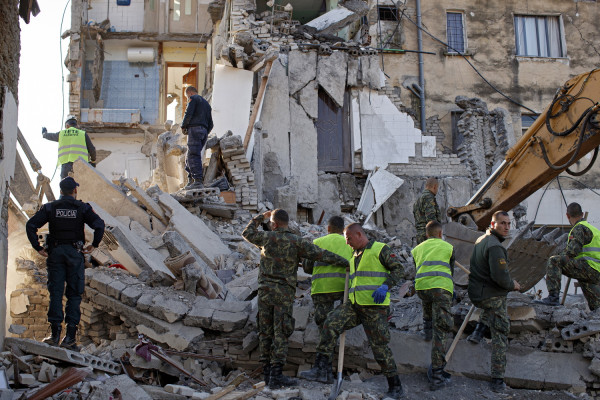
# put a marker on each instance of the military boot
(54, 338)
(267, 372)
(70, 340)
(427, 330)
(194, 184)
(477, 334)
(395, 390)
(322, 371)
(438, 378)
(497, 385)
(277, 380)
(551, 300)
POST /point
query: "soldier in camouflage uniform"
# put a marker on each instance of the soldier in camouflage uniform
(426, 208)
(579, 260)
(489, 283)
(374, 269)
(281, 253)
(434, 262)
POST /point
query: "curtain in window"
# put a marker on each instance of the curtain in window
(554, 41)
(538, 36)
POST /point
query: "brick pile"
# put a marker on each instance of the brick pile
(35, 317)
(239, 172)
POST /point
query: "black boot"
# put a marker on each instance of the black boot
(427, 330)
(477, 334)
(266, 372)
(194, 184)
(551, 300)
(497, 385)
(395, 390)
(277, 380)
(322, 371)
(438, 378)
(54, 338)
(70, 341)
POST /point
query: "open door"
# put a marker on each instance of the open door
(189, 79)
(179, 76)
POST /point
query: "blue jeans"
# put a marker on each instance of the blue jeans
(65, 264)
(197, 136)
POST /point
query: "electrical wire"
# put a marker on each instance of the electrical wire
(62, 71)
(470, 64)
(561, 191)
(586, 169)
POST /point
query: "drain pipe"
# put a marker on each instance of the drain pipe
(421, 73)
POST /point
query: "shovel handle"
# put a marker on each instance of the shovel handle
(343, 335)
(459, 333)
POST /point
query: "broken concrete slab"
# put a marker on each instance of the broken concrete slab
(224, 316)
(380, 186)
(580, 330)
(95, 187)
(58, 353)
(340, 17)
(302, 69)
(309, 99)
(205, 242)
(128, 388)
(286, 197)
(370, 72)
(144, 199)
(135, 254)
(329, 197)
(304, 162)
(332, 77)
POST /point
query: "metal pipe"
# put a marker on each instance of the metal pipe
(421, 73)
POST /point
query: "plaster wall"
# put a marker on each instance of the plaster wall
(231, 100)
(551, 209)
(123, 18)
(125, 158)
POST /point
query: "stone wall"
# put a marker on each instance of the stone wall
(10, 45)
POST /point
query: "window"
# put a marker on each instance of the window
(455, 31)
(387, 13)
(537, 36)
(527, 120)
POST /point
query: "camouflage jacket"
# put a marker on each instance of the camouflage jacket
(426, 209)
(579, 237)
(389, 262)
(489, 268)
(281, 252)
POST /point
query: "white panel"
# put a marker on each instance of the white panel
(232, 95)
(9, 132)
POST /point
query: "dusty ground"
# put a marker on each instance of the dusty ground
(416, 387)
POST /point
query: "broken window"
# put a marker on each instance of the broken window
(526, 121)
(455, 32)
(539, 36)
(387, 13)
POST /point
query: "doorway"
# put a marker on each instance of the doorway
(179, 77)
(333, 134)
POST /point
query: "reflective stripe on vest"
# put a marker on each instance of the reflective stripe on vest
(432, 258)
(330, 278)
(71, 145)
(590, 251)
(368, 277)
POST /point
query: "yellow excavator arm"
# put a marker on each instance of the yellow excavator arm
(567, 130)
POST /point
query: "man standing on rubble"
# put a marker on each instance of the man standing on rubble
(281, 253)
(65, 248)
(197, 124)
(434, 262)
(426, 208)
(328, 281)
(374, 270)
(579, 260)
(72, 144)
(489, 283)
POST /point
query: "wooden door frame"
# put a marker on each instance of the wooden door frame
(175, 64)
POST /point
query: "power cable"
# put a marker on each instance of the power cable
(472, 66)
(561, 191)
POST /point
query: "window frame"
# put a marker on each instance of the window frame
(561, 34)
(384, 10)
(464, 32)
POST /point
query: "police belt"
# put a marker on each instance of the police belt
(78, 244)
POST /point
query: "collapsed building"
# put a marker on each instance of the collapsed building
(316, 111)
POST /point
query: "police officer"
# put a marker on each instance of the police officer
(72, 144)
(489, 283)
(434, 261)
(374, 270)
(66, 218)
(281, 253)
(328, 281)
(579, 260)
(426, 208)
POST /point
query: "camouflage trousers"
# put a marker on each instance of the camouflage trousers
(324, 304)
(436, 308)
(275, 325)
(495, 316)
(375, 323)
(421, 236)
(588, 278)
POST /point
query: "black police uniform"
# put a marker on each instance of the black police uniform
(66, 218)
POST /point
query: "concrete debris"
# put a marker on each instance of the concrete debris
(340, 17)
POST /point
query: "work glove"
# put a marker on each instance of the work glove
(380, 293)
(44, 130)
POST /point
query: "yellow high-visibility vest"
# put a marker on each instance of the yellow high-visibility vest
(432, 259)
(330, 278)
(591, 251)
(71, 145)
(367, 277)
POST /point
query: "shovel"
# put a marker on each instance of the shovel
(337, 385)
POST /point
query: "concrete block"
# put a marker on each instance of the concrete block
(200, 314)
(296, 340)
(27, 379)
(168, 308)
(286, 197)
(285, 393)
(131, 294)
(128, 388)
(580, 329)
(302, 68)
(228, 322)
(205, 242)
(115, 288)
(336, 19)
(47, 372)
(95, 187)
(301, 315)
(311, 394)
(329, 196)
(250, 342)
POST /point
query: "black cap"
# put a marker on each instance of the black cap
(68, 184)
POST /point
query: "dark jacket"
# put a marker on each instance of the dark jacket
(489, 268)
(198, 113)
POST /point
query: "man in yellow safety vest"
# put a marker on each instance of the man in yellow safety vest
(72, 144)
(434, 261)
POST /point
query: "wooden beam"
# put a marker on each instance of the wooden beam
(257, 103)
